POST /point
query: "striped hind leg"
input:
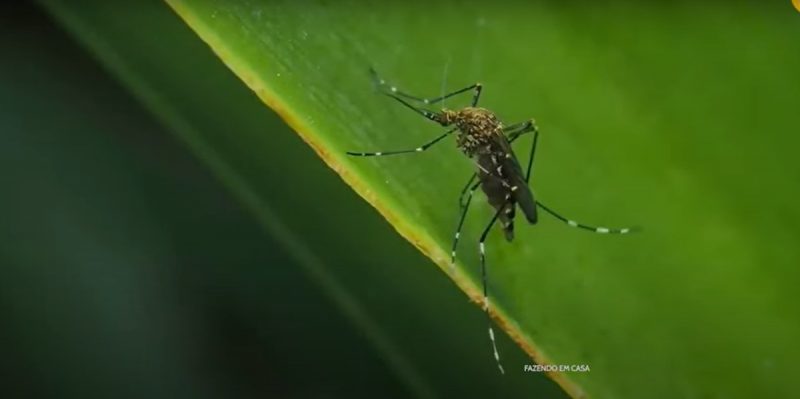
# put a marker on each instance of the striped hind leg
(594, 229)
(484, 279)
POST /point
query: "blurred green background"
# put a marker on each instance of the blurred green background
(127, 270)
(164, 234)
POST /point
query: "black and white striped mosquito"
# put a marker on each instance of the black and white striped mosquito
(483, 138)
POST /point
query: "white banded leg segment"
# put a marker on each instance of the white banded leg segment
(594, 229)
(418, 149)
(464, 204)
(394, 91)
(494, 349)
(482, 247)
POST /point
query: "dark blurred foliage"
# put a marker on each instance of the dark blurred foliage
(125, 269)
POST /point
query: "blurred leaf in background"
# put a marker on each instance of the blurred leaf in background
(126, 270)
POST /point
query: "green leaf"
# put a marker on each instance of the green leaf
(668, 116)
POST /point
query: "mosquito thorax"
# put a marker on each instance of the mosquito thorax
(477, 127)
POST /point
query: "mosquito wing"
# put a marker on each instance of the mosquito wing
(513, 174)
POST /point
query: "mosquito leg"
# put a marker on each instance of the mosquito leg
(467, 191)
(598, 229)
(418, 149)
(514, 136)
(485, 286)
(533, 151)
(392, 91)
(515, 131)
(519, 128)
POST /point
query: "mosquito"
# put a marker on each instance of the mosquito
(482, 137)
